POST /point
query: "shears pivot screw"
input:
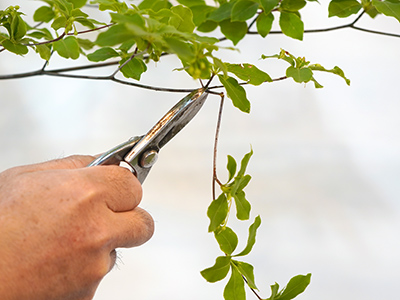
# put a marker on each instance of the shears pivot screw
(148, 159)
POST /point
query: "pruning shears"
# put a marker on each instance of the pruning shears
(140, 153)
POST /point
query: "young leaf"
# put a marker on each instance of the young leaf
(231, 166)
(217, 212)
(249, 73)
(227, 240)
(14, 47)
(236, 93)
(247, 271)
(43, 14)
(102, 54)
(252, 237)
(116, 34)
(244, 163)
(336, 70)
(274, 291)
(264, 23)
(388, 8)
(234, 31)
(218, 271)
(67, 47)
(343, 8)
(244, 10)
(182, 19)
(243, 206)
(295, 286)
(234, 290)
(299, 75)
(134, 68)
(291, 25)
(44, 51)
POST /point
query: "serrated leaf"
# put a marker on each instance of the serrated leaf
(234, 31)
(102, 54)
(43, 14)
(67, 47)
(299, 75)
(388, 8)
(218, 271)
(343, 8)
(243, 10)
(295, 286)
(264, 23)
(231, 166)
(236, 93)
(116, 34)
(247, 270)
(249, 73)
(14, 47)
(269, 5)
(234, 289)
(134, 68)
(217, 212)
(251, 240)
(291, 25)
(227, 239)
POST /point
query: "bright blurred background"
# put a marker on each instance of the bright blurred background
(326, 163)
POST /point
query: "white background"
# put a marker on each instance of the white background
(326, 164)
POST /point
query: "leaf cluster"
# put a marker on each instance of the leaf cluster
(241, 273)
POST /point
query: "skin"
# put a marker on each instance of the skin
(60, 223)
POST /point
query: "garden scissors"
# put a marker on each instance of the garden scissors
(140, 153)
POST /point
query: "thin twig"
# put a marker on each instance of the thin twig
(253, 290)
(218, 127)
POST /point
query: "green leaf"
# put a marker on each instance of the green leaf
(223, 12)
(247, 271)
(207, 26)
(295, 286)
(244, 163)
(218, 271)
(264, 23)
(269, 5)
(217, 212)
(388, 8)
(291, 25)
(249, 73)
(181, 48)
(336, 70)
(67, 47)
(14, 47)
(77, 3)
(59, 22)
(343, 8)
(231, 166)
(227, 239)
(200, 13)
(251, 240)
(116, 34)
(102, 54)
(243, 10)
(182, 19)
(191, 3)
(18, 28)
(234, 289)
(243, 206)
(134, 68)
(234, 31)
(236, 93)
(299, 75)
(43, 14)
(293, 5)
(274, 291)
(44, 51)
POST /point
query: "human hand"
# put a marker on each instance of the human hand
(60, 224)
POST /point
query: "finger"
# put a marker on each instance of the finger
(70, 162)
(132, 228)
(116, 186)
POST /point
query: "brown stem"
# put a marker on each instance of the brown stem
(214, 177)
